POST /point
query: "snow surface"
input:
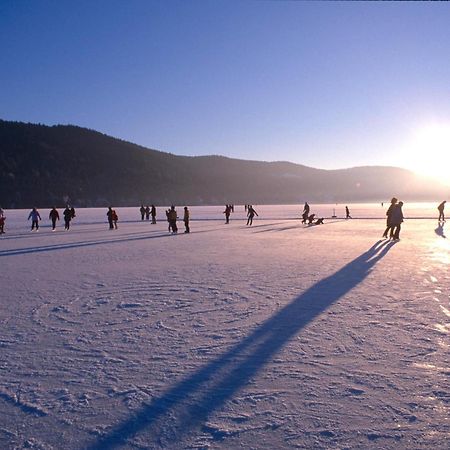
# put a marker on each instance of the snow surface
(276, 336)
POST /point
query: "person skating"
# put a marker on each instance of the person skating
(389, 228)
(53, 216)
(227, 213)
(142, 211)
(35, 218)
(67, 217)
(153, 214)
(110, 216)
(251, 213)
(441, 211)
(396, 220)
(347, 213)
(186, 218)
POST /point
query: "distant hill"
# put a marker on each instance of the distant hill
(50, 165)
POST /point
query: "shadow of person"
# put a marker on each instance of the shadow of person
(185, 407)
(440, 230)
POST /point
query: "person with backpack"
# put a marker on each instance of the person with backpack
(53, 216)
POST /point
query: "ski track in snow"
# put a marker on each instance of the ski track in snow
(275, 336)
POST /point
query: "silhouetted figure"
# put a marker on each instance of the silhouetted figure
(389, 228)
(53, 216)
(347, 213)
(67, 213)
(115, 218)
(305, 213)
(110, 216)
(396, 220)
(319, 221)
(153, 214)
(311, 219)
(245, 208)
(232, 208)
(250, 213)
(167, 215)
(2, 221)
(227, 213)
(172, 217)
(441, 211)
(186, 220)
(35, 218)
(142, 211)
(147, 213)
(72, 212)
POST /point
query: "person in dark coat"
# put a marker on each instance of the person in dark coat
(305, 213)
(441, 211)
(186, 218)
(147, 212)
(347, 213)
(227, 213)
(251, 213)
(110, 216)
(142, 211)
(172, 217)
(153, 214)
(389, 228)
(53, 216)
(67, 217)
(396, 220)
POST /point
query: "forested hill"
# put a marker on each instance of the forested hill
(44, 166)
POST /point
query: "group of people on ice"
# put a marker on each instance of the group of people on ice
(308, 218)
(147, 211)
(172, 217)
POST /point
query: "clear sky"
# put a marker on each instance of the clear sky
(326, 84)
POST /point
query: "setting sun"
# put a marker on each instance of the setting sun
(429, 152)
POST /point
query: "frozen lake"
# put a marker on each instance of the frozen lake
(17, 219)
(275, 336)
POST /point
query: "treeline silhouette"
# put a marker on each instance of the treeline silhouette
(53, 165)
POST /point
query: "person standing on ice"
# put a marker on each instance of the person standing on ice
(2, 221)
(389, 228)
(142, 211)
(153, 214)
(441, 211)
(35, 218)
(396, 220)
(53, 216)
(227, 213)
(305, 212)
(110, 216)
(67, 217)
(186, 219)
(172, 218)
(251, 213)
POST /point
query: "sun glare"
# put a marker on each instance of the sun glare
(429, 152)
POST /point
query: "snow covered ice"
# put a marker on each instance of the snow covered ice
(275, 336)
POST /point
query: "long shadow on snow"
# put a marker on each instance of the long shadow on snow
(191, 401)
(298, 227)
(127, 238)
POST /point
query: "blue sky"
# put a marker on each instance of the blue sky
(326, 84)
